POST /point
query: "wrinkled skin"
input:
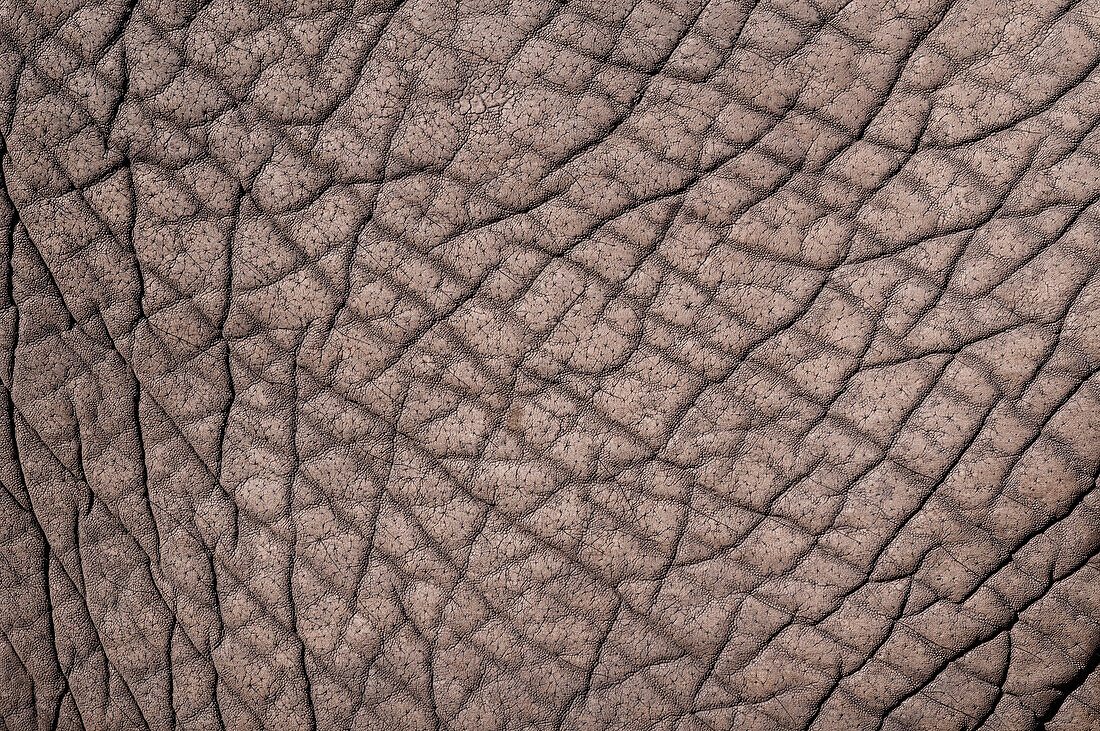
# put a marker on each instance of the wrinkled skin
(480, 365)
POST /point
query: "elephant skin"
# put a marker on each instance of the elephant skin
(475, 365)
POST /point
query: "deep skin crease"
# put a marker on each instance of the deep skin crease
(481, 365)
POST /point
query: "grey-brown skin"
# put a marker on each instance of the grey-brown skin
(480, 365)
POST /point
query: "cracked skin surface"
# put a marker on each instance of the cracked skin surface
(587, 365)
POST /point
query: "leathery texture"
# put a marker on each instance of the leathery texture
(468, 364)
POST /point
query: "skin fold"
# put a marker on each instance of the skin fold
(480, 365)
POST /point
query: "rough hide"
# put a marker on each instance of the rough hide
(520, 365)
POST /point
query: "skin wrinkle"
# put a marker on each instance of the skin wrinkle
(713, 364)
